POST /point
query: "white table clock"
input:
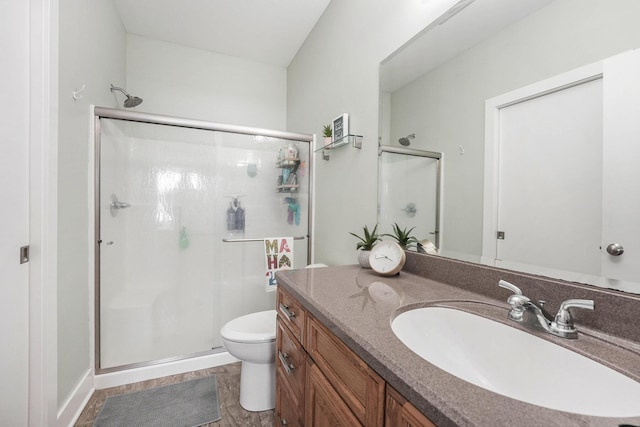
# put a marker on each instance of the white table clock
(387, 258)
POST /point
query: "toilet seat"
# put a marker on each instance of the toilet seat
(251, 328)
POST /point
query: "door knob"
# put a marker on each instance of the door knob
(615, 249)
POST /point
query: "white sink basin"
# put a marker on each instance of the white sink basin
(516, 364)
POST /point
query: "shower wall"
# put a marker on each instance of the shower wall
(168, 282)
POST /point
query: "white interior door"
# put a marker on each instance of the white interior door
(558, 213)
(621, 180)
(550, 173)
(14, 216)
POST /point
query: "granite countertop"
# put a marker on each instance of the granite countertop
(357, 305)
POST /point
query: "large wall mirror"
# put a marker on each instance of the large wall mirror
(440, 87)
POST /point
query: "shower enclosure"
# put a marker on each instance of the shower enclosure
(409, 191)
(182, 208)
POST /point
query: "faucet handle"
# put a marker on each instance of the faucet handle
(517, 301)
(563, 323)
(577, 303)
(513, 288)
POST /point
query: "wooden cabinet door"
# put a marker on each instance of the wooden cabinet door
(288, 412)
(354, 381)
(401, 413)
(323, 405)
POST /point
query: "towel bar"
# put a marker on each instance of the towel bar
(254, 240)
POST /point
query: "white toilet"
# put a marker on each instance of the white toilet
(252, 339)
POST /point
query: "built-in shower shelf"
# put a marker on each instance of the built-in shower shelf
(354, 140)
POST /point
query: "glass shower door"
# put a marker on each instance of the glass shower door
(167, 280)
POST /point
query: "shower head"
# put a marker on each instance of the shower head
(131, 101)
(406, 140)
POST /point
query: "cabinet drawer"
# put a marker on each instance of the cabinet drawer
(290, 359)
(291, 313)
(401, 413)
(356, 383)
(289, 406)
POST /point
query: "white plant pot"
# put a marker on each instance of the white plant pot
(363, 259)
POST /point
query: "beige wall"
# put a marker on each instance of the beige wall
(186, 82)
(336, 71)
(91, 53)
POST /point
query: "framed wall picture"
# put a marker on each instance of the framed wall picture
(340, 126)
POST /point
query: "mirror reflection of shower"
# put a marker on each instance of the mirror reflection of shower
(406, 140)
(410, 209)
(409, 191)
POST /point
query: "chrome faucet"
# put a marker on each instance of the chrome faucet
(534, 315)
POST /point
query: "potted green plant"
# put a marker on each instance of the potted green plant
(403, 236)
(365, 244)
(327, 132)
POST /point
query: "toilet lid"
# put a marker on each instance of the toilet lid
(254, 327)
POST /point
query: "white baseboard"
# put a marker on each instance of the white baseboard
(135, 375)
(75, 403)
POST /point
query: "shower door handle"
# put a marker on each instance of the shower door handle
(120, 205)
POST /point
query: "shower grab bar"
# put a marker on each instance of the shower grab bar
(254, 240)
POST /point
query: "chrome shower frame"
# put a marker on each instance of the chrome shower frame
(134, 116)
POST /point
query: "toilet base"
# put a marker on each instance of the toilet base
(258, 386)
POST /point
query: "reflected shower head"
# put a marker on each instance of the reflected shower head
(406, 140)
(131, 101)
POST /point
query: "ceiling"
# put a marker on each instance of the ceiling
(438, 43)
(267, 31)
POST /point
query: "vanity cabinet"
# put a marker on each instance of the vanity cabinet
(321, 382)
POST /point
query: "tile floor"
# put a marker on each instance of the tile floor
(228, 391)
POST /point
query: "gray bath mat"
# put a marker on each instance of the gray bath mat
(186, 404)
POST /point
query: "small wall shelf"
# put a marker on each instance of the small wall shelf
(355, 140)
